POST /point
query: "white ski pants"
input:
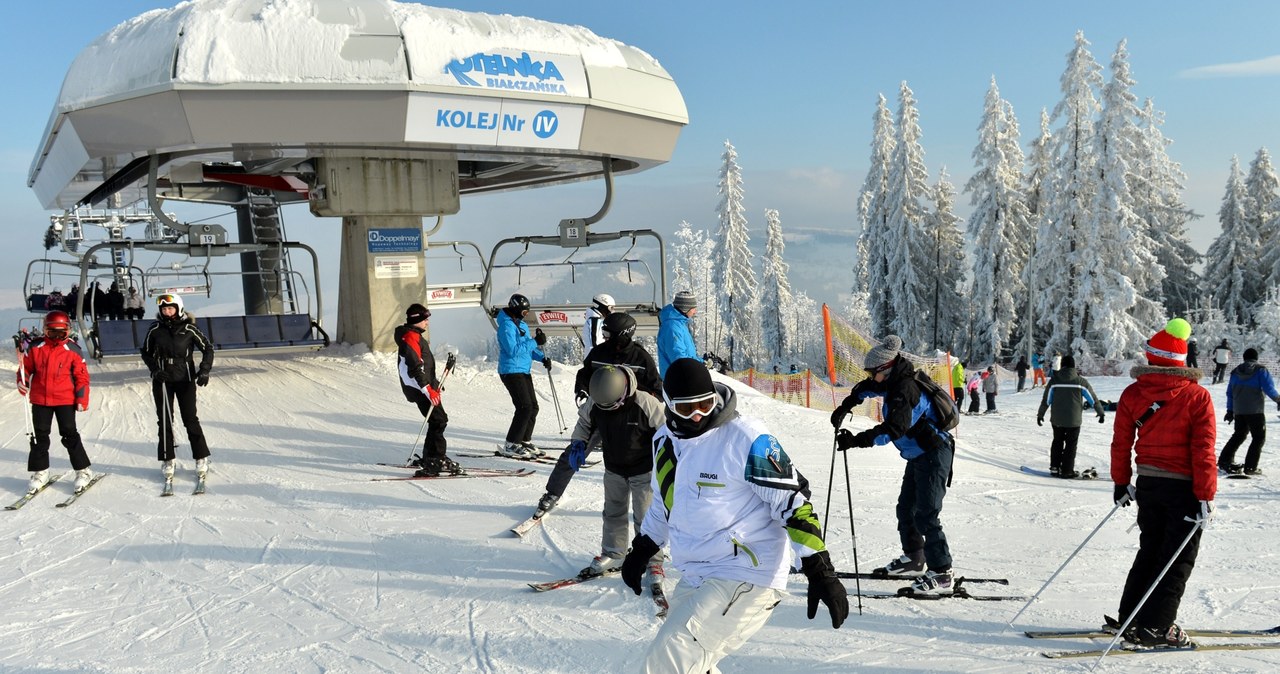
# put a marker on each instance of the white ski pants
(708, 623)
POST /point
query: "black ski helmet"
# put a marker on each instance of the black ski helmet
(619, 326)
(610, 386)
(518, 302)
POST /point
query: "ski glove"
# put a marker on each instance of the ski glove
(539, 337)
(23, 388)
(580, 397)
(1206, 513)
(642, 550)
(82, 407)
(202, 379)
(159, 375)
(576, 455)
(838, 415)
(1102, 418)
(433, 395)
(1124, 494)
(546, 362)
(1231, 416)
(846, 440)
(825, 587)
(1039, 421)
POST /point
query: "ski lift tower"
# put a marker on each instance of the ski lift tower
(377, 112)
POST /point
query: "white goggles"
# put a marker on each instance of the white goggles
(685, 408)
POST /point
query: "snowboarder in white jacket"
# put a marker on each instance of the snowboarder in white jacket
(733, 510)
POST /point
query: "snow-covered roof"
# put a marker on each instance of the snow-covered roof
(217, 73)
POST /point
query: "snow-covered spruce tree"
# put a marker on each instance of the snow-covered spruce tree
(691, 270)
(776, 338)
(1210, 325)
(1229, 271)
(906, 255)
(1062, 242)
(1157, 189)
(999, 228)
(732, 274)
(1123, 276)
(871, 273)
(942, 232)
(1266, 337)
(1039, 171)
(1264, 197)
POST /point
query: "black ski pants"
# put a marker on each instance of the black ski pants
(1219, 371)
(973, 402)
(1062, 451)
(520, 386)
(991, 402)
(924, 484)
(957, 392)
(184, 393)
(1163, 505)
(1246, 425)
(434, 444)
(42, 417)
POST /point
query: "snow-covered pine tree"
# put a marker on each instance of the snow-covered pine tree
(1122, 276)
(1266, 337)
(776, 338)
(732, 274)
(1264, 194)
(809, 349)
(1229, 271)
(871, 274)
(1062, 244)
(1157, 190)
(908, 259)
(942, 230)
(691, 269)
(999, 228)
(1039, 170)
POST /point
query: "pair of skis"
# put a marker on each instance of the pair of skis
(957, 591)
(470, 472)
(1086, 474)
(198, 490)
(1129, 649)
(26, 498)
(656, 591)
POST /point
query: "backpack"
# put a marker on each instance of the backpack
(943, 404)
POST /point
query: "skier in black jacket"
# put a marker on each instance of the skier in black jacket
(168, 351)
(416, 367)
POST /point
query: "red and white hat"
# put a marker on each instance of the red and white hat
(1168, 348)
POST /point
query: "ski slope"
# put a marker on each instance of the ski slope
(295, 561)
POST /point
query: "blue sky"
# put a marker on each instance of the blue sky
(793, 86)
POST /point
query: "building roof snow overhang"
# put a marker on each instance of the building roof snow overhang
(263, 87)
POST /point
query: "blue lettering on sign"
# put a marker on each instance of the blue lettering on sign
(499, 65)
(398, 240)
(545, 124)
(466, 119)
(512, 123)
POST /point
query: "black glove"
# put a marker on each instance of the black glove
(539, 337)
(202, 379)
(642, 550)
(838, 415)
(580, 397)
(1102, 418)
(159, 375)
(846, 440)
(1123, 495)
(1231, 416)
(546, 362)
(825, 587)
(1039, 421)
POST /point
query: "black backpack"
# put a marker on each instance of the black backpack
(943, 404)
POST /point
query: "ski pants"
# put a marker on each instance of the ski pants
(520, 386)
(42, 417)
(1163, 503)
(1219, 371)
(1254, 425)
(434, 444)
(1022, 381)
(619, 493)
(991, 402)
(1062, 451)
(957, 392)
(1037, 378)
(973, 402)
(924, 484)
(707, 623)
(184, 392)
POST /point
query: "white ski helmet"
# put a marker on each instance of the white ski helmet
(604, 301)
(170, 299)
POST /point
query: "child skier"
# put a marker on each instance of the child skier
(54, 376)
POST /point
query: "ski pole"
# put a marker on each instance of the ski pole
(853, 532)
(1064, 564)
(448, 367)
(26, 418)
(167, 425)
(1198, 523)
(555, 398)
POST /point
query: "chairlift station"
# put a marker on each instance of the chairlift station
(377, 112)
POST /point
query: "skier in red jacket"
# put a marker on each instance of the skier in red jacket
(53, 375)
(1165, 421)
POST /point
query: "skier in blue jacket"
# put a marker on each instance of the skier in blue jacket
(516, 353)
(675, 338)
(1249, 382)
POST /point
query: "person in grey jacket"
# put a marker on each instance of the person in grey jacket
(991, 387)
(1249, 382)
(1068, 394)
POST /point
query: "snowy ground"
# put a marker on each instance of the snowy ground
(296, 562)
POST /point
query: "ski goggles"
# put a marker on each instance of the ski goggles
(873, 371)
(55, 333)
(685, 408)
(162, 300)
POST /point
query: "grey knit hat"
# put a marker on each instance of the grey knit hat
(883, 354)
(684, 301)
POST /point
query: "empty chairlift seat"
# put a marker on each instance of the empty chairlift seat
(228, 332)
(119, 338)
(263, 330)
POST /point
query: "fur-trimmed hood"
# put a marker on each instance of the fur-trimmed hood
(1192, 373)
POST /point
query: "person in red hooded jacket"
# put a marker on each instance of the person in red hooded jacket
(53, 375)
(1166, 426)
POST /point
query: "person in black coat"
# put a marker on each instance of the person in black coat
(1022, 368)
(619, 349)
(168, 351)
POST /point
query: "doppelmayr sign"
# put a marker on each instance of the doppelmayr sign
(407, 240)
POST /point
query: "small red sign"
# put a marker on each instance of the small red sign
(553, 317)
(442, 294)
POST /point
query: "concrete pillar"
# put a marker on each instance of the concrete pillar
(381, 273)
